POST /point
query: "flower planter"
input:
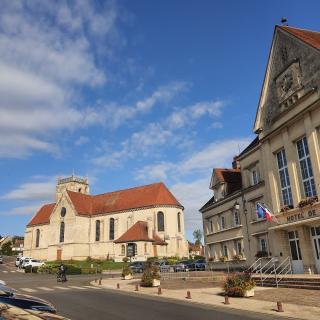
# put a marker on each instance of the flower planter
(128, 277)
(155, 282)
(249, 293)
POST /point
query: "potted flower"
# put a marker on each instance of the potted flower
(308, 201)
(262, 254)
(239, 285)
(223, 259)
(126, 273)
(151, 276)
(237, 257)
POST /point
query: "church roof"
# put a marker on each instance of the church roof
(139, 232)
(43, 215)
(156, 194)
(310, 37)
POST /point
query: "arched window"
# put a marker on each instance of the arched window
(98, 223)
(160, 219)
(111, 229)
(62, 231)
(179, 221)
(37, 238)
(123, 250)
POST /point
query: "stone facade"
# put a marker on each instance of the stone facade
(281, 167)
(81, 238)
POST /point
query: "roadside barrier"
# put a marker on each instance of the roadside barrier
(226, 300)
(118, 285)
(159, 291)
(100, 281)
(137, 288)
(279, 306)
(188, 295)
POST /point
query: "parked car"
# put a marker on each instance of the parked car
(137, 266)
(200, 265)
(182, 266)
(33, 263)
(1, 260)
(12, 312)
(19, 263)
(11, 297)
(163, 265)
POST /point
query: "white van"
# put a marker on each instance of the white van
(32, 262)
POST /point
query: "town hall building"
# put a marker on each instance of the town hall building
(280, 169)
(140, 222)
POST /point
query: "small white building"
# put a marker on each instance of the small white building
(141, 222)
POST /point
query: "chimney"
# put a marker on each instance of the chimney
(235, 163)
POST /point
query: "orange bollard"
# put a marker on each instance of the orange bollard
(118, 285)
(137, 288)
(188, 295)
(279, 306)
(159, 291)
(226, 300)
(100, 281)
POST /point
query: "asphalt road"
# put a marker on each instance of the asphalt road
(78, 301)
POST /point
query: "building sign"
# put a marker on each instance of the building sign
(301, 216)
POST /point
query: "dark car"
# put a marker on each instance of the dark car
(11, 297)
(137, 267)
(200, 265)
(182, 266)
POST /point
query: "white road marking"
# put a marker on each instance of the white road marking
(5, 271)
(92, 287)
(62, 288)
(12, 271)
(75, 287)
(28, 290)
(45, 288)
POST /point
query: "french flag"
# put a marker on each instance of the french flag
(263, 212)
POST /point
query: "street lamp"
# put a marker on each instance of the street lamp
(237, 205)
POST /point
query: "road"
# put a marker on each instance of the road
(78, 300)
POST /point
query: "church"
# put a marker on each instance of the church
(140, 222)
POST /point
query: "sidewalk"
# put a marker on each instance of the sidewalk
(213, 297)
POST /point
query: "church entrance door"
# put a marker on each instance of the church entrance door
(59, 254)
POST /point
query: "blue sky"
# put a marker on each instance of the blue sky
(129, 93)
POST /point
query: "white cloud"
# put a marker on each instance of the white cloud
(30, 209)
(34, 190)
(81, 140)
(47, 50)
(217, 125)
(193, 195)
(162, 133)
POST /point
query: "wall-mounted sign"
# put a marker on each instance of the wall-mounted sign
(301, 216)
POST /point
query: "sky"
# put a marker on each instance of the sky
(129, 93)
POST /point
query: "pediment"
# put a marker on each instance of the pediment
(289, 77)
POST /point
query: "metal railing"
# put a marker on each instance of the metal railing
(270, 270)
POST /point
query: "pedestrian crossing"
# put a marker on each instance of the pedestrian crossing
(58, 288)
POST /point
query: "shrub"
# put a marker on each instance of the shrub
(70, 269)
(126, 271)
(27, 269)
(151, 272)
(236, 285)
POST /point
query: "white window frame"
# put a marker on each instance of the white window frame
(306, 170)
(254, 176)
(265, 247)
(222, 222)
(285, 186)
(236, 218)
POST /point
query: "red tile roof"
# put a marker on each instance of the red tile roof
(139, 232)
(138, 197)
(43, 215)
(310, 37)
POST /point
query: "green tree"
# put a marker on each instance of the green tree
(7, 249)
(197, 236)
